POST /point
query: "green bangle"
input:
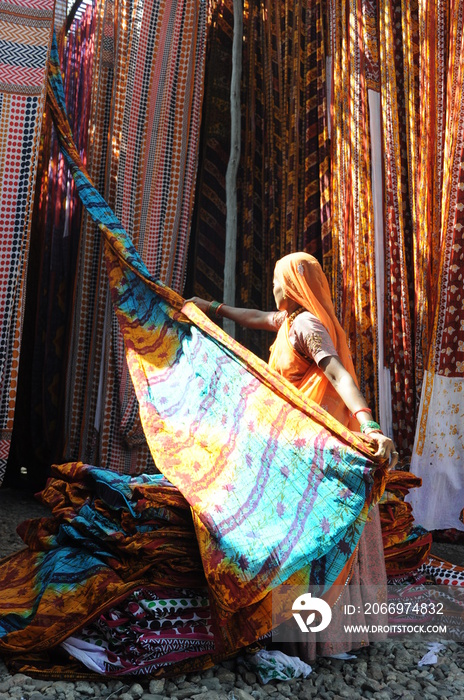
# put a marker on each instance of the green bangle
(213, 306)
(369, 424)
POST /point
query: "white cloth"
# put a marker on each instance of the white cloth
(438, 454)
(431, 657)
(90, 655)
(275, 665)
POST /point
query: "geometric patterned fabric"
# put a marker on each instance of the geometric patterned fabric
(25, 37)
(147, 88)
(54, 243)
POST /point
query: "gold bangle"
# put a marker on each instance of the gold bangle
(217, 310)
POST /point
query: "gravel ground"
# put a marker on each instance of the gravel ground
(382, 671)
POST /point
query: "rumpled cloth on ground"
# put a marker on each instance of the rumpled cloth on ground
(275, 665)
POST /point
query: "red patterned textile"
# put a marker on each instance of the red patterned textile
(399, 54)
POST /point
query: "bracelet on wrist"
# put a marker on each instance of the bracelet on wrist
(213, 307)
(370, 426)
(217, 310)
(362, 410)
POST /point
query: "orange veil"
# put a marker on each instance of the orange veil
(303, 280)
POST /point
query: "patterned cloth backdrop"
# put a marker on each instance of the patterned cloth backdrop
(400, 108)
(146, 99)
(438, 456)
(55, 231)
(25, 36)
(284, 172)
(353, 32)
(284, 176)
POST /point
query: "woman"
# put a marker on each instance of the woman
(311, 351)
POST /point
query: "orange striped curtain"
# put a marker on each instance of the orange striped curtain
(350, 257)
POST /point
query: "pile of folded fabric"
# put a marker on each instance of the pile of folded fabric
(406, 545)
(423, 589)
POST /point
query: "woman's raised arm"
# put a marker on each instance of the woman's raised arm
(248, 318)
(344, 385)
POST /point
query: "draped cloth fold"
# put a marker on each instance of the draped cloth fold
(279, 491)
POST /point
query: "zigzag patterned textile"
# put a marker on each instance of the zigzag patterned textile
(247, 453)
(25, 37)
(145, 122)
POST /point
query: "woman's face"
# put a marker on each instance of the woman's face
(283, 303)
(278, 294)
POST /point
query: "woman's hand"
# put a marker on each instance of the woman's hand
(385, 448)
(202, 304)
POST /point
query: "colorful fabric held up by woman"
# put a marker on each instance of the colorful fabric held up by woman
(278, 490)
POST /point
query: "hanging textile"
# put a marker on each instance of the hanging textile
(399, 53)
(284, 176)
(145, 114)
(55, 230)
(406, 545)
(438, 454)
(281, 475)
(353, 33)
(205, 277)
(283, 180)
(26, 32)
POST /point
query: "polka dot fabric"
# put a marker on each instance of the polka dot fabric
(442, 572)
(25, 37)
